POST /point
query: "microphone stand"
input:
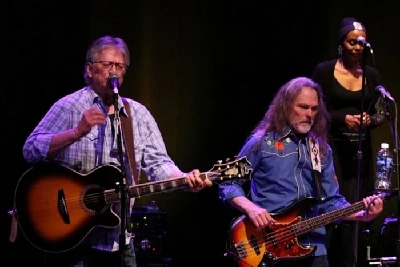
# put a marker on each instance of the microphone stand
(359, 152)
(121, 186)
(396, 142)
(393, 131)
(383, 261)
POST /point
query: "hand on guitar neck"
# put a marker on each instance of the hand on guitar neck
(195, 180)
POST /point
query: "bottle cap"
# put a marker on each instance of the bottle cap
(384, 145)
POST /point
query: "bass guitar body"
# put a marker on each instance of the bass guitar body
(266, 247)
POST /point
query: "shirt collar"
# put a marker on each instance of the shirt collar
(95, 98)
(285, 133)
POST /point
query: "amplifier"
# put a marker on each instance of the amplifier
(149, 230)
(149, 222)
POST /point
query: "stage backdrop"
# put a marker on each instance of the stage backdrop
(207, 71)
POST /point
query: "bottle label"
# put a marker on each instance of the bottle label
(383, 162)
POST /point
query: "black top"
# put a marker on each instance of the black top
(340, 101)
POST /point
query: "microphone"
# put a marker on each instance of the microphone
(361, 41)
(113, 79)
(380, 89)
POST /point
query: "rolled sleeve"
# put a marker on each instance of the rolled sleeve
(229, 191)
(37, 144)
(36, 147)
(232, 189)
(164, 172)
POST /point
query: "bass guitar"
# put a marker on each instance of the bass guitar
(251, 247)
(57, 207)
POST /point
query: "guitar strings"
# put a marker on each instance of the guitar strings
(95, 197)
(291, 232)
(113, 196)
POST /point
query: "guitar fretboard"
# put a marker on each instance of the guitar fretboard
(308, 225)
(155, 187)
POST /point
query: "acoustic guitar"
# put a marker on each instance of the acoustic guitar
(57, 207)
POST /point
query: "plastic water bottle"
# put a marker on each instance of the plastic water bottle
(384, 161)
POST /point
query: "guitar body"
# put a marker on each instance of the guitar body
(57, 207)
(277, 242)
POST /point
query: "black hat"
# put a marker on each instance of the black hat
(348, 25)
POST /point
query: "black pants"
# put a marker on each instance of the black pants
(340, 237)
(88, 257)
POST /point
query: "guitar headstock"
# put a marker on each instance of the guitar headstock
(237, 169)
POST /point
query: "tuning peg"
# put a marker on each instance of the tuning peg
(219, 161)
(227, 159)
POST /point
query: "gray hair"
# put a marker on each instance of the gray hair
(101, 44)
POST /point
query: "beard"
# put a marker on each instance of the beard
(302, 128)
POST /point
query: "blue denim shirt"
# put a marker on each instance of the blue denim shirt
(282, 174)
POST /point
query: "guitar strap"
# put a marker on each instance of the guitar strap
(14, 225)
(316, 164)
(127, 131)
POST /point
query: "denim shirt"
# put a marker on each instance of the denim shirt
(282, 175)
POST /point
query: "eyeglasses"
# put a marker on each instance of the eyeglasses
(107, 65)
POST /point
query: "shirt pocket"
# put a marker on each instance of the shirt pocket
(279, 163)
(92, 135)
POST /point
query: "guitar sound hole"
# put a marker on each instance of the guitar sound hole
(94, 199)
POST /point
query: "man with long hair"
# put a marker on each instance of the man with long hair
(291, 161)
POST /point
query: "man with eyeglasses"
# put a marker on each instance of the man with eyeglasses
(79, 131)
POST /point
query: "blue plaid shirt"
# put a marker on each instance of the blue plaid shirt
(99, 147)
(282, 174)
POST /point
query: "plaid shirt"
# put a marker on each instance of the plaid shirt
(99, 147)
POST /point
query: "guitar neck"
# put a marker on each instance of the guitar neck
(157, 187)
(327, 218)
(308, 225)
(154, 187)
(237, 169)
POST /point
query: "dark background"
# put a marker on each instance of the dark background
(205, 69)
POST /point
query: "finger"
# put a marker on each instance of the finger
(254, 221)
(271, 219)
(365, 202)
(195, 177)
(262, 223)
(199, 182)
(189, 180)
(263, 220)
